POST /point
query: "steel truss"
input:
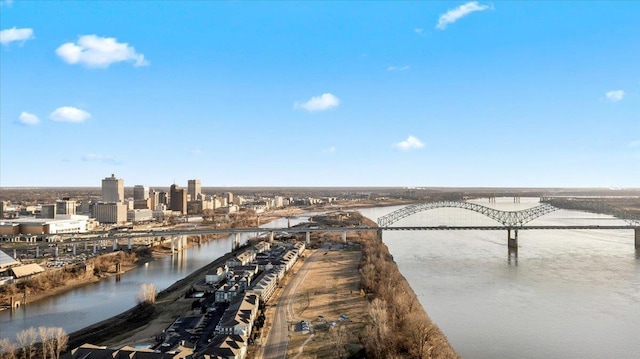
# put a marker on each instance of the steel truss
(507, 218)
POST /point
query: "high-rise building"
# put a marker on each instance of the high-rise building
(110, 212)
(48, 211)
(140, 192)
(178, 199)
(112, 189)
(163, 198)
(195, 189)
(65, 207)
(154, 199)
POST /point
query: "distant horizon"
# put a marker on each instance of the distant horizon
(539, 94)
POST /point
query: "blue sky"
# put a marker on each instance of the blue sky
(518, 94)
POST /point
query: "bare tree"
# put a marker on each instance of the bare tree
(27, 341)
(377, 333)
(7, 349)
(60, 340)
(147, 294)
(46, 338)
(338, 336)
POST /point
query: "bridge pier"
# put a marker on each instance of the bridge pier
(379, 235)
(271, 237)
(86, 246)
(129, 243)
(55, 251)
(344, 236)
(95, 247)
(513, 255)
(37, 252)
(74, 248)
(173, 244)
(115, 245)
(308, 238)
(637, 239)
(236, 241)
(512, 242)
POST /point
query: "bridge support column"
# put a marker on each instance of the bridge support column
(179, 240)
(15, 254)
(37, 252)
(379, 234)
(86, 245)
(512, 242)
(173, 244)
(129, 243)
(74, 248)
(270, 237)
(308, 238)
(55, 251)
(95, 247)
(115, 244)
(637, 239)
(236, 241)
(344, 236)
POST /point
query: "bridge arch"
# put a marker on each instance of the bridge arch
(507, 218)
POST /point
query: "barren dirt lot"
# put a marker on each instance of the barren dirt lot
(330, 289)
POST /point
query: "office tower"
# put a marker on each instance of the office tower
(65, 207)
(154, 199)
(229, 198)
(195, 189)
(178, 199)
(112, 189)
(140, 192)
(115, 213)
(48, 211)
(163, 198)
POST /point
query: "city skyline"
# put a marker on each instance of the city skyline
(429, 94)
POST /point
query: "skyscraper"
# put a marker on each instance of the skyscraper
(112, 189)
(140, 192)
(195, 189)
(178, 199)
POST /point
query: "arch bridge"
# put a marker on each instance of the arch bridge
(510, 219)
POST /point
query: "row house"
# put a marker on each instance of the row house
(239, 317)
(265, 286)
(215, 276)
(227, 347)
(241, 259)
(262, 247)
(227, 292)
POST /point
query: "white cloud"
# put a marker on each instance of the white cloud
(8, 36)
(331, 150)
(69, 114)
(29, 119)
(418, 30)
(411, 143)
(456, 14)
(92, 157)
(398, 68)
(319, 103)
(615, 96)
(96, 51)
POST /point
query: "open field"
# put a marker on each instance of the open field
(330, 289)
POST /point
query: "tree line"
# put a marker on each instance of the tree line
(32, 343)
(398, 325)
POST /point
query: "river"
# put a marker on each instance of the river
(89, 304)
(571, 294)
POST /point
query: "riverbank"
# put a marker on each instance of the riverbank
(142, 322)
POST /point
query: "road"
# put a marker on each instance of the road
(278, 336)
